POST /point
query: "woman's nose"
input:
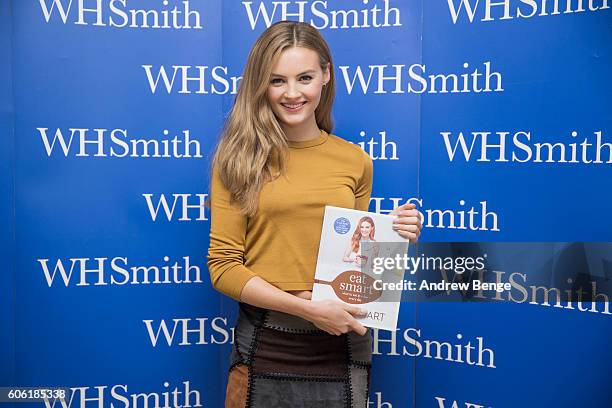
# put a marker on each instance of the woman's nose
(292, 90)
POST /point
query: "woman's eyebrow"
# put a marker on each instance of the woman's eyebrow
(310, 71)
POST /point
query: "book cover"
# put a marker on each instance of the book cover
(350, 264)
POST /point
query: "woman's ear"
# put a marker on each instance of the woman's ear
(326, 74)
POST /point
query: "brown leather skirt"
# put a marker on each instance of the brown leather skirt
(281, 360)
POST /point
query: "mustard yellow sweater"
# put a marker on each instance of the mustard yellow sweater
(280, 242)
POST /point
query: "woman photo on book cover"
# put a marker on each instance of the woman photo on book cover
(276, 166)
(365, 231)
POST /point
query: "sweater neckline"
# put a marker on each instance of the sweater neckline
(302, 144)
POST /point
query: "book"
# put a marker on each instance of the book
(350, 264)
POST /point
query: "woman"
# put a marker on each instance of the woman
(364, 232)
(276, 166)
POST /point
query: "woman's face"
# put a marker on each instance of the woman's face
(365, 229)
(296, 80)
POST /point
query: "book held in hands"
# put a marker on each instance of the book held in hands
(350, 264)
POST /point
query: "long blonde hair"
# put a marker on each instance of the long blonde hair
(253, 147)
(356, 238)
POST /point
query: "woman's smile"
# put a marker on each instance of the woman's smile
(293, 107)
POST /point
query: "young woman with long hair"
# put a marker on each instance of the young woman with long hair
(275, 168)
(365, 230)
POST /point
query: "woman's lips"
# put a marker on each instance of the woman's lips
(293, 107)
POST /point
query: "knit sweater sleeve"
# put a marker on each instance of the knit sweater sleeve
(364, 185)
(227, 242)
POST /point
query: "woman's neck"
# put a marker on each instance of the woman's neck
(302, 132)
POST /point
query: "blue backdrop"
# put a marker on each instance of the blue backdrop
(493, 117)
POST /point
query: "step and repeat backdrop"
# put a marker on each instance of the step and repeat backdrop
(492, 116)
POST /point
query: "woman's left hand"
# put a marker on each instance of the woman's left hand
(407, 222)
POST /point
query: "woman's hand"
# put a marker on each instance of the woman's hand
(407, 222)
(336, 317)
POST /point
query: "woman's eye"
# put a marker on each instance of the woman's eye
(305, 77)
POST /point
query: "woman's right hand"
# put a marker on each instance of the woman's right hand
(336, 317)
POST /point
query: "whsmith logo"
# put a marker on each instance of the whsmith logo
(118, 271)
(116, 143)
(518, 147)
(397, 79)
(488, 10)
(117, 395)
(372, 14)
(116, 13)
(461, 351)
